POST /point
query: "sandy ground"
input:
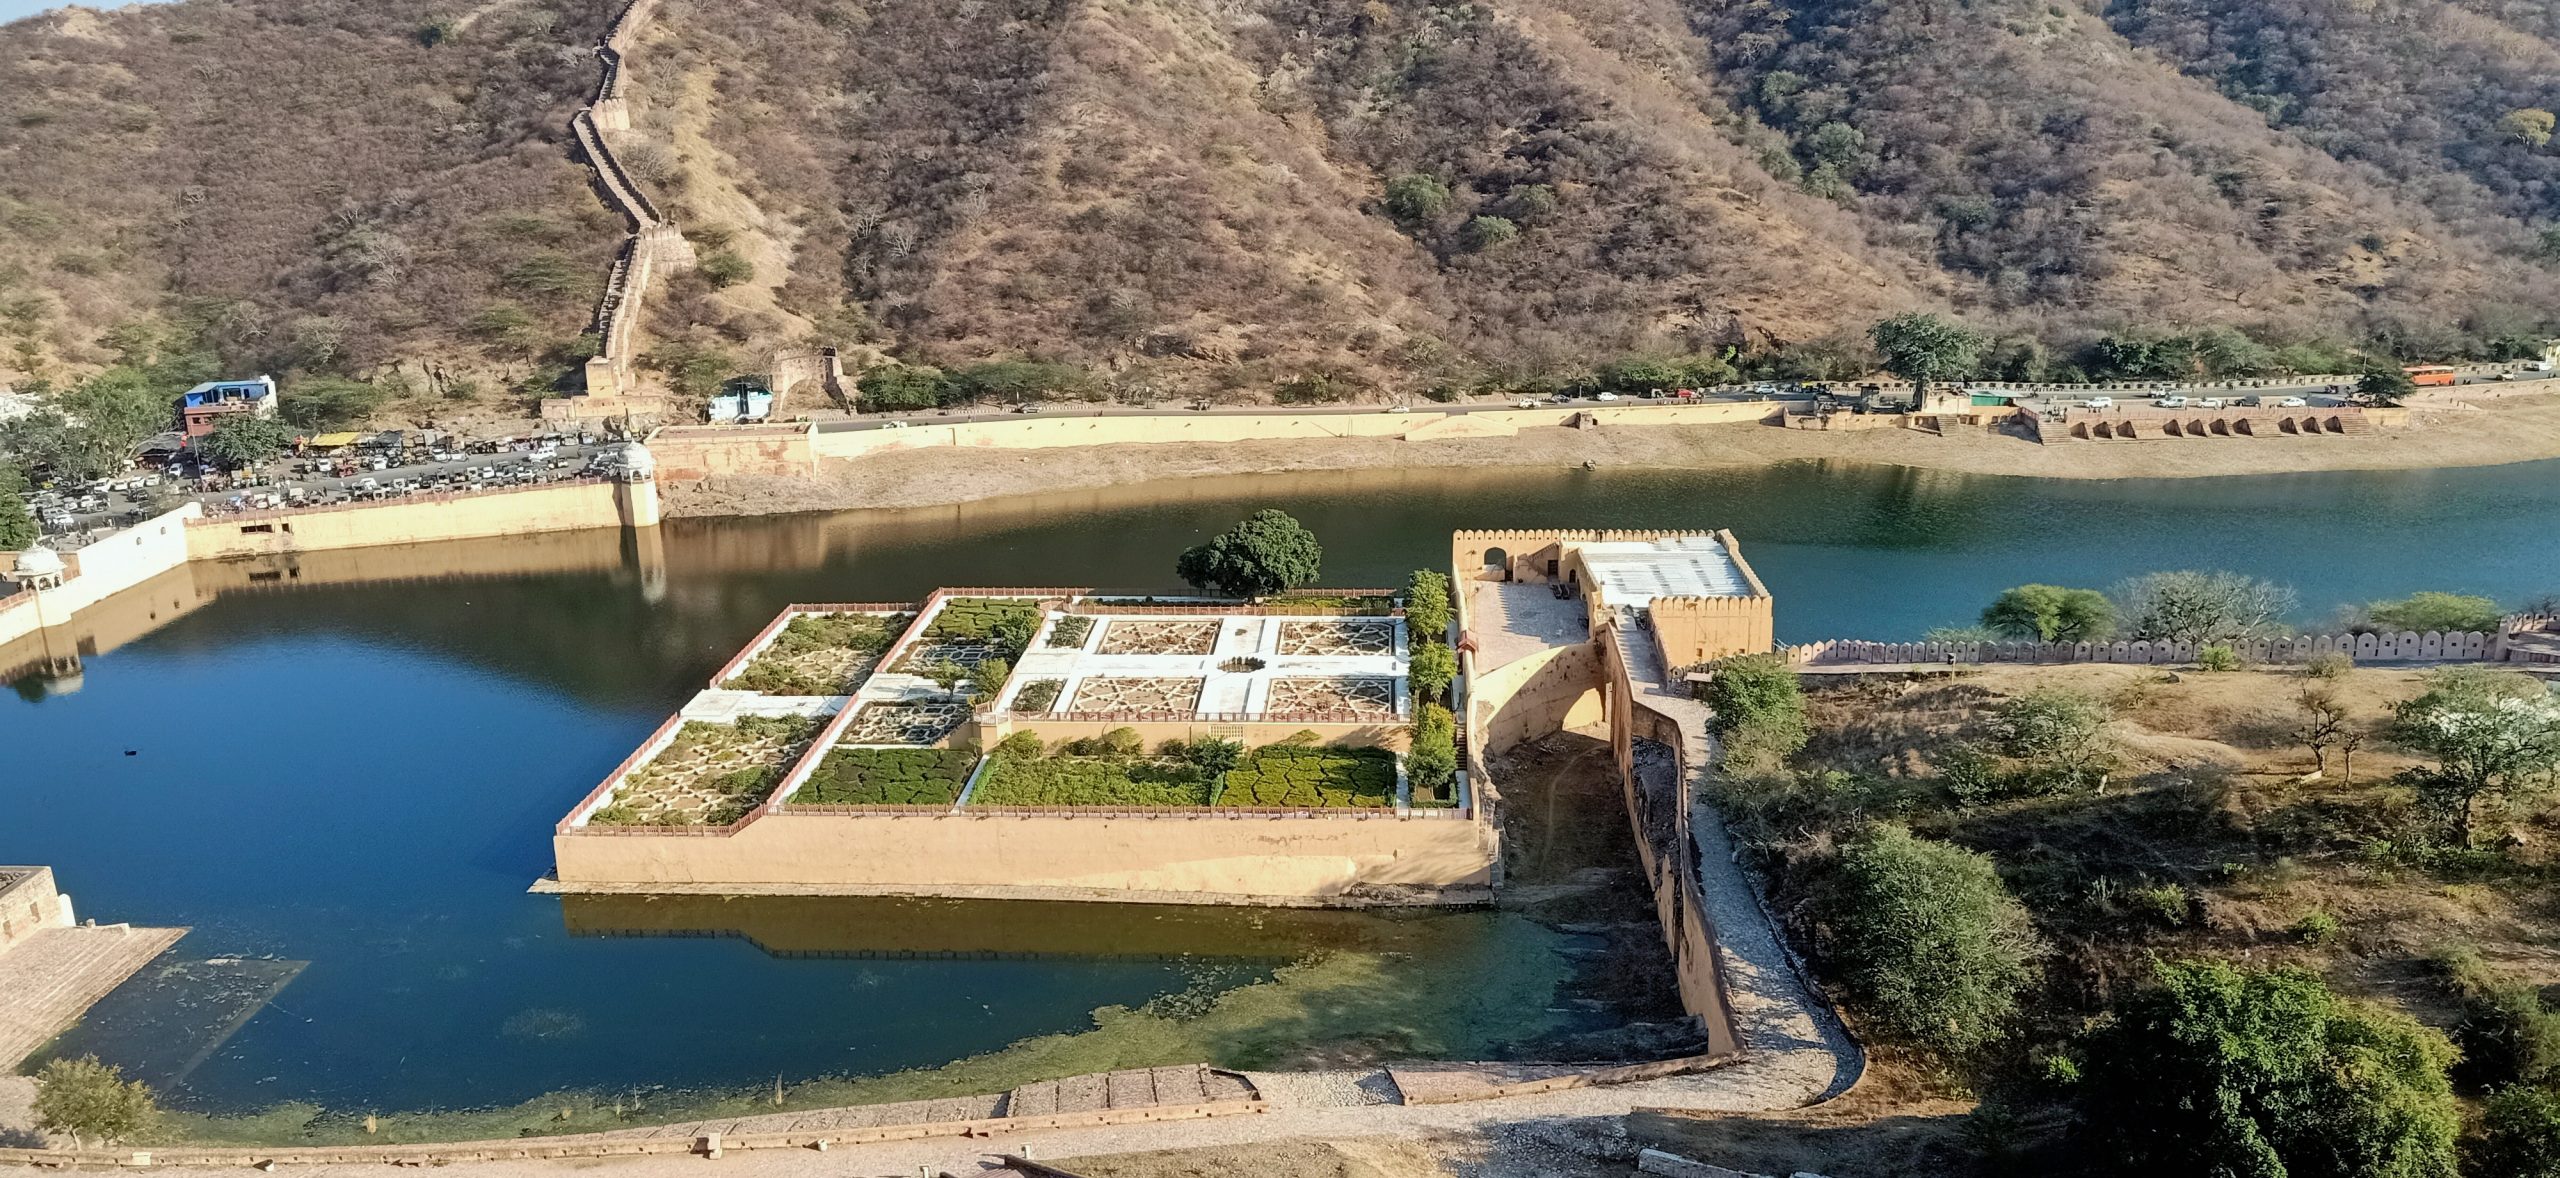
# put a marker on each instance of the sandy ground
(2519, 429)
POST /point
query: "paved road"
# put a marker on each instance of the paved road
(438, 476)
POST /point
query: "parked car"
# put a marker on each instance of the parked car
(1527, 403)
(2101, 402)
(2291, 403)
(2170, 402)
(1605, 396)
(2208, 402)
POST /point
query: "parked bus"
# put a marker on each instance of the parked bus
(2430, 374)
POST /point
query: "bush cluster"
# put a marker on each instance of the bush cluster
(886, 777)
(1298, 775)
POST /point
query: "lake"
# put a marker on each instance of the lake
(344, 783)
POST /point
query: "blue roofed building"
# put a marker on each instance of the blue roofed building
(203, 407)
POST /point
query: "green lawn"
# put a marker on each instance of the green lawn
(887, 777)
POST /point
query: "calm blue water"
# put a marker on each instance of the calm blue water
(364, 777)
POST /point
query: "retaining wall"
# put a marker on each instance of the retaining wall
(101, 570)
(700, 451)
(414, 520)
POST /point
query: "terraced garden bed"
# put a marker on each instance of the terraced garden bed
(887, 777)
(1090, 781)
(905, 723)
(1302, 775)
(821, 654)
(710, 774)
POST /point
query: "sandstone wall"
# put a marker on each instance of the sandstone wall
(415, 520)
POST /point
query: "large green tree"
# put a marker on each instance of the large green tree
(1756, 708)
(246, 440)
(91, 1101)
(1924, 348)
(1933, 947)
(17, 527)
(2051, 613)
(2219, 1072)
(1268, 552)
(2192, 606)
(2493, 735)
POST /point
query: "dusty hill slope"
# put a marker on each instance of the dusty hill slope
(1188, 195)
(308, 179)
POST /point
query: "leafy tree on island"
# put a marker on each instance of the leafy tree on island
(91, 1101)
(1268, 552)
(243, 440)
(1924, 348)
(2247, 1074)
(2051, 613)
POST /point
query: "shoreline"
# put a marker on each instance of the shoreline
(2436, 437)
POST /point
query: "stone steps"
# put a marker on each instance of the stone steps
(50, 979)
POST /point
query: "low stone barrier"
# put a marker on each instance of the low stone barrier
(708, 1145)
(2403, 647)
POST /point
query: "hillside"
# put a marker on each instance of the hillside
(1391, 194)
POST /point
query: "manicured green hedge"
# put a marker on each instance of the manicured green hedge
(1298, 775)
(1328, 605)
(1070, 631)
(981, 617)
(887, 777)
(1039, 695)
(1089, 781)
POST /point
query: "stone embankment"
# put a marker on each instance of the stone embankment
(655, 244)
(2518, 639)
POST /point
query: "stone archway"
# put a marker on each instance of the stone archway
(1497, 559)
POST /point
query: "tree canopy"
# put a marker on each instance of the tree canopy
(91, 1101)
(1268, 552)
(1924, 348)
(2051, 613)
(2231, 1073)
(17, 528)
(244, 439)
(2192, 606)
(2494, 736)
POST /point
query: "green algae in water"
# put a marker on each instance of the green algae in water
(1472, 985)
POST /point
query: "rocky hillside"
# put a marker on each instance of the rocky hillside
(1225, 197)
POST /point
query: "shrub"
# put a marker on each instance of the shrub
(1432, 764)
(1426, 606)
(2217, 656)
(2319, 930)
(2217, 1070)
(1021, 746)
(901, 386)
(1484, 233)
(987, 679)
(1300, 775)
(2520, 1135)
(1758, 711)
(2058, 734)
(1433, 667)
(1068, 780)
(2507, 1037)
(1416, 197)
(725, 268)
(2332, 665)
(1930, 942)
(886, 777)
(1039, 695)
(2167, 905)
(1070, 631)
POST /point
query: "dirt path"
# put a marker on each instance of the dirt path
(2520, 429)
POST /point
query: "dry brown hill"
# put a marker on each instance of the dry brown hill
(1178, 195)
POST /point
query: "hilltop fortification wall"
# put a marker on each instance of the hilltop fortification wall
(655, 246)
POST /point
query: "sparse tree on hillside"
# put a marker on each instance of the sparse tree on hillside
(2530, 126)
(1268, 552)
(2494, 735)
(1924, 348)
(2324, 725)
(1415, 197)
